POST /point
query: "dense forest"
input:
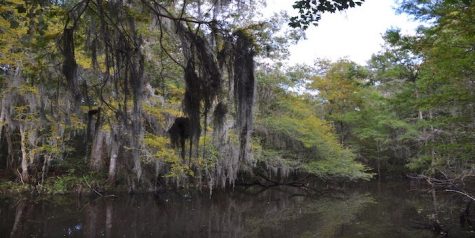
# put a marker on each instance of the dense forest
(147, 95)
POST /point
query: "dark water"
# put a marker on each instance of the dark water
(368, 210)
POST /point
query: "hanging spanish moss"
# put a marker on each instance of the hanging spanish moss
(94, 106)
(203, 80)
(69, 64)
(179, 133)
(219, 116)
(192, 103)
(244, 87)
(205, 73)
(136, 64)
(198, 53)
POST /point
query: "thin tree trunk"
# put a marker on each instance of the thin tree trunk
(10, 156)
(24, 155)
(421, 117)
(114, 153)
(432, 149)
(379, 160)
(44, 170)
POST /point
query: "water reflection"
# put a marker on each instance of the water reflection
(367, 211)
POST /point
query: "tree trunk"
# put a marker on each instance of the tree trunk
(114, 153)
(44, 170)
(24, 177)
(432, 149)
(97, 151)
(10, 154)
(379, 160)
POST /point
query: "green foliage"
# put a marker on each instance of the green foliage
(428, 89)
(339, 90)
(344, 166)
(209, 151)
(375, 121)
(310, 12)
(9, 187)
(303, 140)
(355, 100)
(71, 182)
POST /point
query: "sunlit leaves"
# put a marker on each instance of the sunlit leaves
(294, 121)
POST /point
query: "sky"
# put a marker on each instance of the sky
(354, 34)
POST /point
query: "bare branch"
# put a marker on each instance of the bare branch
(462, 193)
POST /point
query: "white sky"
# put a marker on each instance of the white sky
(354, 34)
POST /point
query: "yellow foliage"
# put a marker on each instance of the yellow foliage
(160, 112)
(11, 33)
(163, 151)
(16, 42)
(83, 60)
(28, 89)
(77, 123)
(294, 118)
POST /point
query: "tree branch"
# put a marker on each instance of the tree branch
(462, 193)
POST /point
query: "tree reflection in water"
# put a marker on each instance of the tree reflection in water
(366, 211)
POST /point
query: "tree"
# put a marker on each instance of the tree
(338, 89)
(310, 11)
(446, 87)
(294, 139)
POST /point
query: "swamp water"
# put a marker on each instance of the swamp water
(367, 210)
